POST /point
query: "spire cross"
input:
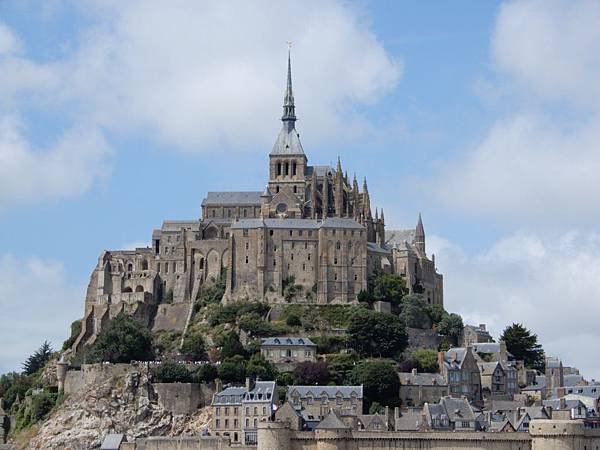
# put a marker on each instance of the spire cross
(289, 44)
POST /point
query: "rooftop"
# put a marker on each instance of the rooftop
(288, 340)
(232, 198)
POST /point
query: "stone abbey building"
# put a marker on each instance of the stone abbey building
(311, 226)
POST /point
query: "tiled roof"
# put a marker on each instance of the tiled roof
(232, 198)
(288, 340)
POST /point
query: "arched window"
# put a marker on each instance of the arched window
(201, 263)
(127, 290)
(144, 264)
(139, 288)
(287, 168)
(278, 168)
(130, 267)
(338, 245)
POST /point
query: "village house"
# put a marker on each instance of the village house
(417, 388)
(459, 368)
(287, 352)
(318, 401)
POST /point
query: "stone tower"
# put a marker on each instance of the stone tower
(287, 160)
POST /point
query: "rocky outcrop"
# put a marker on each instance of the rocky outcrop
(125, 403)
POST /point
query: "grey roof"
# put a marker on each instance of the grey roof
(458, 409)
(505, 405)
(320, 170)
(373, 247)
(569, 403)
(332, 422)
(297, 223)
(262, 390)
(592, 390)
(231, 395)
(330, 391)
(288, 142)
(455, 357)
(421, 379)
(553, 362)
(232, 198)
(540, 383)
(486, 347)
(409, 420)
(399, 236)
(112, 442)
(488, 368)
(572, 380)
(288, 340)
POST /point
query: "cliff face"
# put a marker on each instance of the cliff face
(125, 403)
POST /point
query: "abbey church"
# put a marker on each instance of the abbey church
(310, 226)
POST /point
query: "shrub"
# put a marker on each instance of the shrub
(171, 372)
(122, 340)
(426, 360)
(193, 347)
(293, 320)
(254, 324)
(205, 373)
(307, 373)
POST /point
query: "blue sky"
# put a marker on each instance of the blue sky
(481, 115)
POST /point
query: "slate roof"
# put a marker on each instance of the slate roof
(288, 142)
(177, 225)
(321, 170)
(373, 247)
(421, 379)
(112, 442)
(399, 236)
(230, 395)
(569, 403)
(409, 420)
(232, 198)
(458, 409)
(332, 422)
(297, 223)
(505, 405)
(592, 390)
(262, 390)
(488, 368)
(553, 362)
(455, 357)
(331, 391)
(294, 341)
(572, 380)
(540, 383)
(485, 347)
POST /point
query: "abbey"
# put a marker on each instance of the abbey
(310, 228)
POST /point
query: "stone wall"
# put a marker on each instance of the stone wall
(183, 443)
(171, 317)
(418, 338)
(183, 398)
(93, 375)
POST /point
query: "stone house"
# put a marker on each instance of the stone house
(554, 373)
(418, 388)
(318, 401)
(473, 334)
(236, 411)
(493, 380)
(455, 414)
(459, 368)
(286, 352)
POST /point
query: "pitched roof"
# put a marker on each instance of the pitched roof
(455, 357)
(409, 420)
(458, 409)
(229, 395)
(297, 223)
(332, 422)
(320, 170)
(112, 442)
(288, 142)
(488, 368)
(288, 340)
(262, 390)
(330, 391)
(232, 198)
(421, 379)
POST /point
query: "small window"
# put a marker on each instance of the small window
(274, 262)
(309, 233)
(246, 259)
(299, 232)
(270, 232)
(309, 256)
(291, 233)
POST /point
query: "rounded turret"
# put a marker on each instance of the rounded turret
(273, 436)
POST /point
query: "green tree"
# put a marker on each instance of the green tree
(254, 324)
(205, 373)
(171, 372)
(426, 360)
(523, 344)
(38, 360)
(451, 325)
(259, 367)
(373, 333)
(230, 345)
(193, 347)
(122, 340)
(232, 370)
(414, 311)
(293, 320)
(436, 313)
(340, 367)
(387, 287)
(309, 373)
(380, 383)
(13, 385)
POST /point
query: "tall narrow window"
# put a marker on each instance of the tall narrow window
(294, 169)
(278, 169)
(287, 168)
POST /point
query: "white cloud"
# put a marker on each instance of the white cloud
(67, 168)
(200, 74)
(538, 164)
(552, 47)
(550, 284)
(9, 43)
(37, 303)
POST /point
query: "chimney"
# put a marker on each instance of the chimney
(482, 326)
(247, 383)
(503, 352)
(218, 385)
(441, 361)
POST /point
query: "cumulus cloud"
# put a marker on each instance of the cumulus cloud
(550, 284)
(194, 75)
(535, 165)
(37, 303)
(67, 168)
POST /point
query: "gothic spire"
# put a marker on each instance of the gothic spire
(420, 235)
(289, 109)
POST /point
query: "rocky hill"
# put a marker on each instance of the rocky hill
(119, 404)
